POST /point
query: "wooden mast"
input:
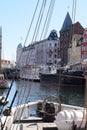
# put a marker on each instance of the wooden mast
(86, 96)
(0, 46)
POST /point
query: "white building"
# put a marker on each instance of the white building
(41, 53)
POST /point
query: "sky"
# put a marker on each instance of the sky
(16, 15)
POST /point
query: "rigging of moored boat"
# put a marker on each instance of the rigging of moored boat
(3, 81)
(45, 114)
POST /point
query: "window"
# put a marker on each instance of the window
(55, 61)
(55, 44)
(50, 44)
(55, 50)
(55, 56)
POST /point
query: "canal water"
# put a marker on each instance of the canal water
(32, 91)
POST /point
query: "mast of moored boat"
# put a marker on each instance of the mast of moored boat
(86, 97)
(0, 46)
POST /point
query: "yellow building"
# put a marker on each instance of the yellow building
(74, 52)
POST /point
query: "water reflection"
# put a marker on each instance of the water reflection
(31, 91)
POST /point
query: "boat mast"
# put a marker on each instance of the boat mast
(86, 96)
(0, 46)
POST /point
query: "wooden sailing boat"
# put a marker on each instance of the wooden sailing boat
(49, 114)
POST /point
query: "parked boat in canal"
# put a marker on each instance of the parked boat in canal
(11, 73)
(30, 72)
(3, 82)
(63, 76)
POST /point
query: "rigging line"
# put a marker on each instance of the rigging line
(49, 19)
(30, 27)
(20, 101)
(22, 109)
(40, 19)
(18, 109)
(29, 56)
(45, 20)
(75, 9)
(72, 28)
(34, 32)
(21, 91)
(41, 9)
(7, 96)
(73, 19)
(16, 115)
(9, 109)
(37, 22)
(31, 22)
(28, 95)
(72, 10)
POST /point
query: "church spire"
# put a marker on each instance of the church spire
(67, 23)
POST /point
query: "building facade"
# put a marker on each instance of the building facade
(84, 46)
(84, 50)
(66, 33)
(74, 52)
(44, 52)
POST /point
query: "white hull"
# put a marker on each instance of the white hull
(30, 73)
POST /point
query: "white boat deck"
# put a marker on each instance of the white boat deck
(68, 117)
(33, 126)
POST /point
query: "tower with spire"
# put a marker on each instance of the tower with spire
(66, 33)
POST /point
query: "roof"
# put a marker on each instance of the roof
(19, 46)
(67, 23)
(53, 35)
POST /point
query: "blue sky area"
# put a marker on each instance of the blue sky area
(16, 15)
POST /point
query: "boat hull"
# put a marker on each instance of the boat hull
(74, 78)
